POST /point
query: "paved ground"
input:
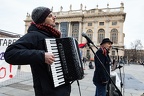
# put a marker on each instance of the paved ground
(132, 80)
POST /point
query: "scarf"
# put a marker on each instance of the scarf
(47, 28)
(104, 50)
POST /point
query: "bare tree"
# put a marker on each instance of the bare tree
(136, 48)
(137, 45)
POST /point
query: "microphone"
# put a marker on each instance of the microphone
(114, 48)
(87, 38)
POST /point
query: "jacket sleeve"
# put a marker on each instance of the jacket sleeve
(24, 51)
(99, 67)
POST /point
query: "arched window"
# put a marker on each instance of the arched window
(114, 36)
(89, 32)
(101, 35)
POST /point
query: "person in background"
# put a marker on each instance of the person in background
(100, 78)
(90, 65)
(84, 61)
(31, 49)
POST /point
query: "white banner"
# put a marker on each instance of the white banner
(7, 71)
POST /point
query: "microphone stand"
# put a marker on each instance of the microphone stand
(120, 94)
(119, 67)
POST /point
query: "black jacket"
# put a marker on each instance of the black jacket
(99, 74)
(30, 49)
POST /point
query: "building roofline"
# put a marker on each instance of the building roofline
(11, 34)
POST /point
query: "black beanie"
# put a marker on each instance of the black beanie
(39, 14)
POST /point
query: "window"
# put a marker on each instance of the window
(114, 23)
(89, 24)
(64, 29)
(113, 53)
(88, 54)
(75, 30)
(114, 36)
(101, 35)
(57, 25)
(89, 33)
(101, 23)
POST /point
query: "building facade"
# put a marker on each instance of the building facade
(96, 23)
(7, 34)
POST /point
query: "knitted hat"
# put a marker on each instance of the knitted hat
(39, 14)
(105, 40)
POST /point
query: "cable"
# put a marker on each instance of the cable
(79, 87)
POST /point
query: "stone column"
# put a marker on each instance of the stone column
(80, 32)
(95, 33)
(84, 30)
(107, 32)
(27, 22)
(26, 27)
(121, 38)
(59, 26)
(69, 29)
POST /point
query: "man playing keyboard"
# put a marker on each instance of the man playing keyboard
(31, 49)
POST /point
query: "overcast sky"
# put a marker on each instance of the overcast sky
(13, 14)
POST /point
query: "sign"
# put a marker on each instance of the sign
(7, 71)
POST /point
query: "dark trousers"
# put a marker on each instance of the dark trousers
(100, 90)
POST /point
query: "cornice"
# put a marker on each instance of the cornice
(121, 20)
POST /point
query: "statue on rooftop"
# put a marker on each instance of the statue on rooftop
(52, 8)
(107, 5)
(61, 8)
(85, 7)
(28, 15)
(70, 7)
(81, 6)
